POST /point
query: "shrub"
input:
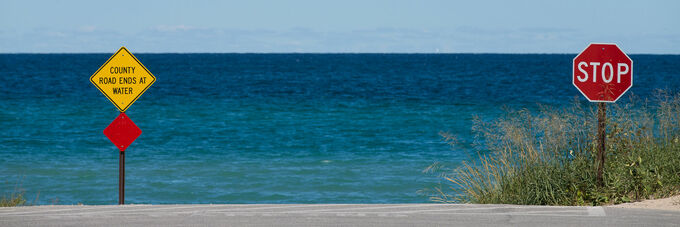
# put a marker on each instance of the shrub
(13, 199)
(547, 157)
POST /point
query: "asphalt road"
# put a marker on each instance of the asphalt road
(333, 215)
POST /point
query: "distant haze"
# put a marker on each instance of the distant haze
(338, 26)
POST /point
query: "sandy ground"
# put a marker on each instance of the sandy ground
(671, 203)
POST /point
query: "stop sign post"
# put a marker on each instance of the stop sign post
(602, 73)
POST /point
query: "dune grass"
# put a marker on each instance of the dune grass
(13, 199)
(547, 157)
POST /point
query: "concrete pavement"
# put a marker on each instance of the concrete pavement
(333, 215)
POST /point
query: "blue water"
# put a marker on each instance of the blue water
(268, 128)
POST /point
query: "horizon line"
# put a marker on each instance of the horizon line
(403, 53)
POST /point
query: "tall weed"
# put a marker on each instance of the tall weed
(547, 157)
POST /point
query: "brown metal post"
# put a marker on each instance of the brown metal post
(601, 136)
(121, 178)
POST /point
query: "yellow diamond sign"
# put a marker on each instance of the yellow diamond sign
(122, 79)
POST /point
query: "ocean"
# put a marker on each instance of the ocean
(270, 128)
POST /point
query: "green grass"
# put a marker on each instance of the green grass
(547, 157)
(13, 199)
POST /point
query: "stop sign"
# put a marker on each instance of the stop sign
(602, 72)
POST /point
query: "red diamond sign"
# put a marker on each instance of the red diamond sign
(122, 132)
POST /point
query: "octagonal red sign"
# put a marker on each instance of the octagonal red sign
(122, 131)
(602, 72)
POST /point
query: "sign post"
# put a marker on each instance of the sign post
(602, 73)
(122, 132)
(121, 178)
(122, 79)
(601, 136)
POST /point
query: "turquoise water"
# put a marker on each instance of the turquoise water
(268, 128)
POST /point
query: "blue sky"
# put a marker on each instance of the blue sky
(338, 26)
